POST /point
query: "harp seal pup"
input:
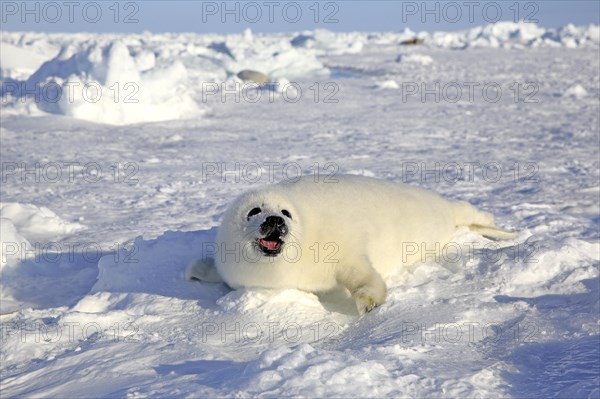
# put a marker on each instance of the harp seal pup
(315, 235)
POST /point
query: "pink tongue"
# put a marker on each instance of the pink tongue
(270, 245)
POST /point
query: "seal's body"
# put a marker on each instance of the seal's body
(348, 230)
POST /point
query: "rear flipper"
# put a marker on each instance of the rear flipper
(481, 222)
(493, 232)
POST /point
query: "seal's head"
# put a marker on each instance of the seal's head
(263, 223)
(272, 230)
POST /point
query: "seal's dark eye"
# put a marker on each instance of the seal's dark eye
(286, 213)
(253, 211)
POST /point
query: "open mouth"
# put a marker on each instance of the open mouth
(270, 245)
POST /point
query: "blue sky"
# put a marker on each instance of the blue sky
(284, 16)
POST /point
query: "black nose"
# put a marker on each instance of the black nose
(274, 224)
(274, 221)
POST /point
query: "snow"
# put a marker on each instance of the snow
(19, 63)
(416, 58)
(519, 34)
(325, 42)
(103, 82)
(387, 84)
(576, 91)
(37, 223)
(104, 204)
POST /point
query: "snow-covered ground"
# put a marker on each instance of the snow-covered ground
(105, 201)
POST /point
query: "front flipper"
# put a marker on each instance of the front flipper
(203, 270)
(364, 283)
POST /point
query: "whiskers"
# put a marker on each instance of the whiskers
(292, 237)
(250, 237)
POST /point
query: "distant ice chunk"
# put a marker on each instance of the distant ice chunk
(13, 245)
(102, 82)
(273, 57)
(24, 224)
(36, 223)
(387, 84)
(18, 62)
(576, 91)
(322, 41)
(520, 34)
(422, 59)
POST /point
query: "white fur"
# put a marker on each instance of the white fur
(352, 232)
